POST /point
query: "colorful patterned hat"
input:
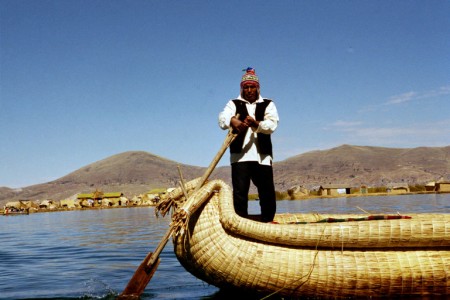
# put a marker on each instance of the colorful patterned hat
(250, 76)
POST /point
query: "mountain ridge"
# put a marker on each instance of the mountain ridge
(136, 172)
(369, 165)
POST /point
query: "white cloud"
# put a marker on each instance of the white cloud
(342, 124)
(414, 96)
(412, 135)
(443, 90)
(406, 97)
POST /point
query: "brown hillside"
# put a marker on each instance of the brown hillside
(137, 172)
(130, 168)
(356, 165)
(130, 172)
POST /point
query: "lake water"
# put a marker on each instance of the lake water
(92, 254)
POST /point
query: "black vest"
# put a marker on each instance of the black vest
(264, 142)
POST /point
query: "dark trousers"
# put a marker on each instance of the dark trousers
(262, 177)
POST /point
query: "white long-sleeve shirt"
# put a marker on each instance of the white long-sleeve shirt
(266, 126)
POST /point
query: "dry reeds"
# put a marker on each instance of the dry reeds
(365, 258)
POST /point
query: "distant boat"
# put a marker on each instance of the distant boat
(8, 212)
(312, 255)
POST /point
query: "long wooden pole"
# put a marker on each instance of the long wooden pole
(228, 140)
(147, 268)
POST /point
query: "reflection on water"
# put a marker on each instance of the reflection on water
(92, 254)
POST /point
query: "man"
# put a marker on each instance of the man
(251, 151)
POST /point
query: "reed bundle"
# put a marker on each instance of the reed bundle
(356, 258)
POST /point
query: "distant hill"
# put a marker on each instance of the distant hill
(132, 173)
(356, 165)
(136, 172)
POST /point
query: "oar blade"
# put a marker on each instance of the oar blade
(140, 279)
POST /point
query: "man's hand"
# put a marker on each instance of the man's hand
(238, 125)
(251, 122)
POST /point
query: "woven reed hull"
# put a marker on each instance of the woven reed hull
(221, 255)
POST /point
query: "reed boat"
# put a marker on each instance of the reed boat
(302, 255)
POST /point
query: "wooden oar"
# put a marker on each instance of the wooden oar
(147, 268)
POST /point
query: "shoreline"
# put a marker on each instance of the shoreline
(310, 197)
(301, 198)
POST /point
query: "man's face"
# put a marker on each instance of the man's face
(250, 92)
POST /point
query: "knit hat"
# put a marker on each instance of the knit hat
(249, 77)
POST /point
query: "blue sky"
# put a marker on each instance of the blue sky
(83, 80)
